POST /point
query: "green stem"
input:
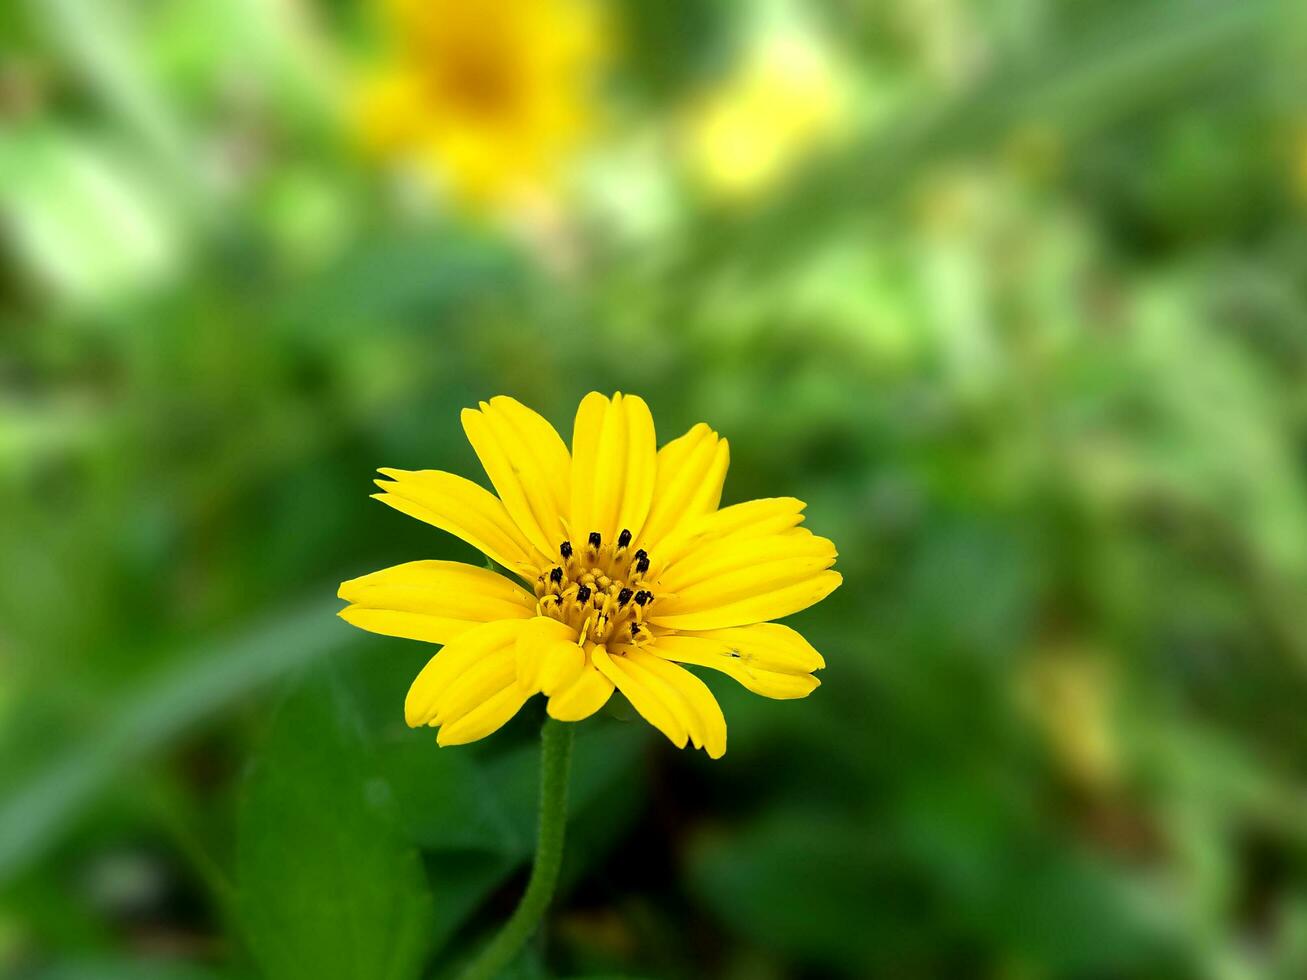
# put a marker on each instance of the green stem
(555, 763)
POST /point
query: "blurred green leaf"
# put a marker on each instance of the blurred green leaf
(36, 810)
(85, 218)
(142, 969)
(327, 885)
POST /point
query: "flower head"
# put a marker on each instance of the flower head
(493, 97)
(783, 101)
(631, 571)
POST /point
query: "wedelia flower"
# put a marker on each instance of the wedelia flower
(494, 98)
(632, 571)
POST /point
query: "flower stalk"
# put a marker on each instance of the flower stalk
(555, 768)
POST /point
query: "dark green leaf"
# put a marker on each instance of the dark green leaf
(328, 888)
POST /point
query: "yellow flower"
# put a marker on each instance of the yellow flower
(784, 101)
(494, 97)
(632, 571)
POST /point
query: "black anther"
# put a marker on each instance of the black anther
(583, 594)
(565, 549)
(556, 575)
(624, 597)
(624, 538)
(595, 539)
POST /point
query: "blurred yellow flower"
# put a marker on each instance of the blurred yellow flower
(634, 570)
(784, 100)
(494, 98)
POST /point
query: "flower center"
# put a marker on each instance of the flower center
(597, 589)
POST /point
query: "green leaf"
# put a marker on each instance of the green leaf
(327, 886)
(37, 810)
(143, 969)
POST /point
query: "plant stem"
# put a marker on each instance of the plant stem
(555, 764)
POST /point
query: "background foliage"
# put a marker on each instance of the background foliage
(1030, 337)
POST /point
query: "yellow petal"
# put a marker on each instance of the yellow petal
(770, 646)
(738, 658)
(753, 518)
(534, 643)
(641, 466)
(561, 665)
(774, 600)
(716, 563)
(427, 695)
(477, 684)
(528, 465)
(614, 465)
(586, 430)
(703, 714)
(465, 510)
(582, 698)
(434, 601)
(646, 696)
(486, 718)
(691, 471)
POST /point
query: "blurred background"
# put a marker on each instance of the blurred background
(1012, 292)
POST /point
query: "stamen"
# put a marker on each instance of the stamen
(596, 590)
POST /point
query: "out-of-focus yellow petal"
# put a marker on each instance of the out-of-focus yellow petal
(527, 463)
(434, 601)
(465, 510)
(691, 471)
(785, 100)
(388, 111)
